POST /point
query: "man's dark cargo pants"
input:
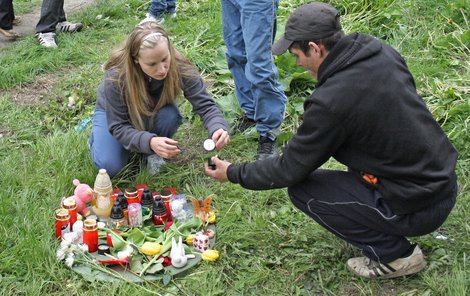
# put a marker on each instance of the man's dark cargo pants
(358, 214)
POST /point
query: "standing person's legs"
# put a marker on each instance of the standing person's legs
(106, 152)
(343, 205)
(52, 12)
(157, 8)
(257, 22)
(171, 6)
(235, 55)
(6, 19)
(6, 14)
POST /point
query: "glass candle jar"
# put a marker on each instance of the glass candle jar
(71, 205)
(135, 215)
(62, 221)
(90, 235)
(166, 196)
(117, 219)
(122, 200)
(159, 213)
(102, 196)
(132, 195)
(146, 201)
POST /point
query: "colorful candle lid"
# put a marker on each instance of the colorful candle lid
(69, 203)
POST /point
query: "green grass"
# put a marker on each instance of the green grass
(267, 246)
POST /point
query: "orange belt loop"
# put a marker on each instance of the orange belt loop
(371, 179)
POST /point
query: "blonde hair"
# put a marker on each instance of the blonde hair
(131, 79)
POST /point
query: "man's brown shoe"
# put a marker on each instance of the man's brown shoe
(10, 34)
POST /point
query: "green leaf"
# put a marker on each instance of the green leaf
(166, 279)
(156, 267)
(191, 263)
(136, 263)
(85, 272)
(136, 236)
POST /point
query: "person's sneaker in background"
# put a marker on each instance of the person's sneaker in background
(69, 27)
(47, 39)
(368, 268)
(267, 148)
(152, 18)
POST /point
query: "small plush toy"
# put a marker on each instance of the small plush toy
(82, 194)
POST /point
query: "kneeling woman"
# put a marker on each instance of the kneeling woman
(136, 110)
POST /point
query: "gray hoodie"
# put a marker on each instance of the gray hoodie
(110, 99)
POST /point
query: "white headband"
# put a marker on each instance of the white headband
(153, 34)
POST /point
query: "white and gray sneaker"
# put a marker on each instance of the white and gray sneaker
(47, 39)
(69, 27)
(154, 162)
(151, 18)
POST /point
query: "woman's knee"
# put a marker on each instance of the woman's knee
(168, 120)
(112, 166)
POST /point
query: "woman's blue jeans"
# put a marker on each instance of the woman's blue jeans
(248, 27)
(106, 151)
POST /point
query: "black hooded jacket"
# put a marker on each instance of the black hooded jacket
(365, 112)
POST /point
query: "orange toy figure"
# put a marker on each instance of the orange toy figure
(202, 208)
(82, 194)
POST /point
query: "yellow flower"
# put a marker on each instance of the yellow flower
(210, 255)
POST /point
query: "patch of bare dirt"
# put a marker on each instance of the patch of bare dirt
(32, 94)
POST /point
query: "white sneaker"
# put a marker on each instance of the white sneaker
(151, 18)
(69, 27)
(173, 15)
(47, 39)
(367, 268)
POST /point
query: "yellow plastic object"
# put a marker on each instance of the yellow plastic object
(211, 218)
(189, 239)
(210, 255)
(151, 248)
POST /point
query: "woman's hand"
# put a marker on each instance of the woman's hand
(164, 147)
(220, 138)
(220, 171)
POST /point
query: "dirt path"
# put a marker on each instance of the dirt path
(29, 20)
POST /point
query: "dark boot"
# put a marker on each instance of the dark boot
(267, 148)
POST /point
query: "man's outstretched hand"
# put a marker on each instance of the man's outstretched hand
(218, 169)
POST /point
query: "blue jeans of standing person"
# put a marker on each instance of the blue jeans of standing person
(249, 28)
(6, 14)
(358, 214)
(52, 13)
(106, 151)
(159, 7)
